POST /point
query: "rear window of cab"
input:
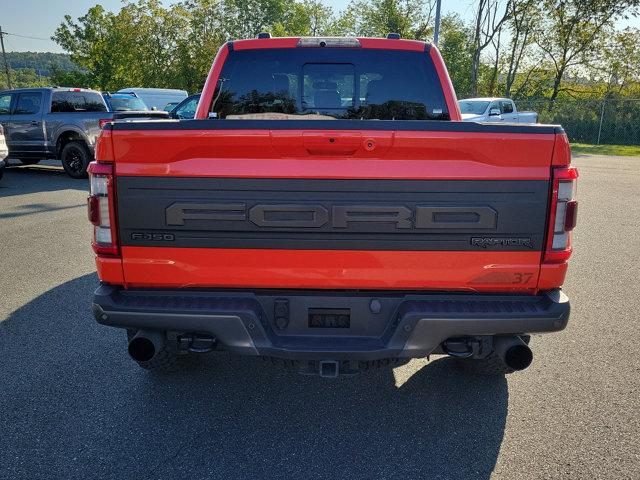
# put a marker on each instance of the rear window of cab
(71, 102)
(328, 83)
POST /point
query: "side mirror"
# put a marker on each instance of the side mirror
(494, 112)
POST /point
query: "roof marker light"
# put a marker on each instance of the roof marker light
(345, 42)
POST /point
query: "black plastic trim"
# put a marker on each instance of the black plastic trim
(408, 325)
(329, 214)
(381, 125)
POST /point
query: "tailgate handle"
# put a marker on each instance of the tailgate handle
(317, 143)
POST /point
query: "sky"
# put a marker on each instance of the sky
(39, 19)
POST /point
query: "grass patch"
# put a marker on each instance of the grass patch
(624, 150)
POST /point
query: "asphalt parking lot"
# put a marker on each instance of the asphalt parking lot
(72, 404)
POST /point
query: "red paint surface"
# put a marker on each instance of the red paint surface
(329, 269)
(283, 154)
(110, 269)
(352, 154)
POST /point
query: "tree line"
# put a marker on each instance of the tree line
(545, 49)
(34, 69)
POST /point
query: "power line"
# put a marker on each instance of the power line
(27, 36)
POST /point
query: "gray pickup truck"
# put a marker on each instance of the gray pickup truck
(58, 123)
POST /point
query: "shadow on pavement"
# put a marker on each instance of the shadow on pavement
(72, 405)
(38, 208)
(20, 180)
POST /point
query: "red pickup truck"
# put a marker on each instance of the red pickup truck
(327, 206)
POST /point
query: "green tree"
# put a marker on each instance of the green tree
(247, 18)
(89, 41)
(306, 18)
(375, 18)
(523, 22)
(570, 29)
(23, 77)
(196, 49)
(490, 17)
(616, 66)
(456, 47)
(138, 46)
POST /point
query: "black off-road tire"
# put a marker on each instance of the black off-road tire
(75, 157)
(166, 360)
(29, 161)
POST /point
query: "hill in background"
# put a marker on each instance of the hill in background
(34, 69)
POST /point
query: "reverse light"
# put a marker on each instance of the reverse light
(563, 215)
(100, 208)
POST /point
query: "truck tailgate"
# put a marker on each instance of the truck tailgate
(277, 204)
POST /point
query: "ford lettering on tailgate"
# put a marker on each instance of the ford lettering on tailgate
(336, 216)
(328, 214)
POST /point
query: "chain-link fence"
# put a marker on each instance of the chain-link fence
(605, 121)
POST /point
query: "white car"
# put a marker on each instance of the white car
(157, 98)
(494, 110)
(4, 151)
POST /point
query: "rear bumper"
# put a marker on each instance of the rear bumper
(377, 325)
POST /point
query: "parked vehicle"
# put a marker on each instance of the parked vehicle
(328, 207)
(186, 109)
(494, 110)
(124, 102)
(170, 106)
(129, 106)
(4, 151)
(59, 123)
(157, 98)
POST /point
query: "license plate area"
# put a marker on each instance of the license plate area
(329, 318)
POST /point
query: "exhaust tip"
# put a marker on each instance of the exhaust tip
(141, 349)
(518, 356)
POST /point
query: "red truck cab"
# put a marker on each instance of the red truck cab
(328, 206)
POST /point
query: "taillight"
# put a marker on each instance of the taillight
(563, 215)
(103, 121)
(101, 210)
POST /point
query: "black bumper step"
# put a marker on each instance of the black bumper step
(381, 324)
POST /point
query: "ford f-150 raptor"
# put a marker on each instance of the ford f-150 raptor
(327, 206)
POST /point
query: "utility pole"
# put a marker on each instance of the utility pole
(436, 32)
(4, 56)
